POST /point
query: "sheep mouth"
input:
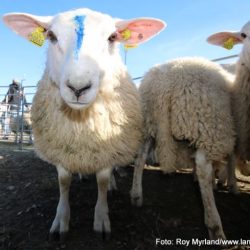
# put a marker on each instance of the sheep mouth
(79, 103)
(76, 115)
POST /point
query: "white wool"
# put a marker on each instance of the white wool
(86, 113)
(97, 59)
(187, 111)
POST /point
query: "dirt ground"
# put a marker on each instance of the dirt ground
(172, 208)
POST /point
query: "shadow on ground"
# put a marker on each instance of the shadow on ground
(172, 208)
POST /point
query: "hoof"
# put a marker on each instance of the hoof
(102, 226)
(107, 236)
(98, 236)
(63, 237)
(56, 236)
(103, 236)
(216, 233)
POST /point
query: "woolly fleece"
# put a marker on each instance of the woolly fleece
(106, 134)
(241, 110)
(187, 106)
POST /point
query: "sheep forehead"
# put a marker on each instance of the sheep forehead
(95, 23)
(246, 28)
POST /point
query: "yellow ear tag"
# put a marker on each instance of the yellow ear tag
(229, 44)
(126, 34)
(37, 36)
(130, 46)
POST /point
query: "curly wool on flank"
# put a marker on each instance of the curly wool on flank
(187, 111)
(188, 100)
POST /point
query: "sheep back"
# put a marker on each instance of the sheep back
(105, 134)
(187, 100)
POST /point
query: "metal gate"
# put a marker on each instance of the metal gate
(15, 107)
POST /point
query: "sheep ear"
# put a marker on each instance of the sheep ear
(136, 31)
(225, 39)
(31, 27)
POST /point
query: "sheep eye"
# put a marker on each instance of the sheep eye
(243, 35)
(112, 38)
(51, 36)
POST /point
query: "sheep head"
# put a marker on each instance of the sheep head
(83, 47)
(228, 39)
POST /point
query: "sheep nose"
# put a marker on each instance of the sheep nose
(79, 92)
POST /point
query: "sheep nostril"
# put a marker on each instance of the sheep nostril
(88, 86)
(71, 87)
(79, 92)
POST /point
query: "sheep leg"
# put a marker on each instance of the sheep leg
(30, 139)
(243, 167)
(101, 219)
(195, 174)
(61, 221)
(231, 177)
(215, 187)
(204, 172)
(213, 177)
(136, 191)
(82, 177)
(112, 183)
(121, 171)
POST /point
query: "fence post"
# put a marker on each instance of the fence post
(21, 94)
(6, 127)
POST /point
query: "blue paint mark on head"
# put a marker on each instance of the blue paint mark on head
(79, 32)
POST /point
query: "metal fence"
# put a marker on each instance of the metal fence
(15, 122)
(214, 60)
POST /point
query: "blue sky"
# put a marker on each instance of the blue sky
(189, 24)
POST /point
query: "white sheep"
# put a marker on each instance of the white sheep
(240, 91)
(187, 111)
(22, 122)
(230, 67)
(86, 114)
